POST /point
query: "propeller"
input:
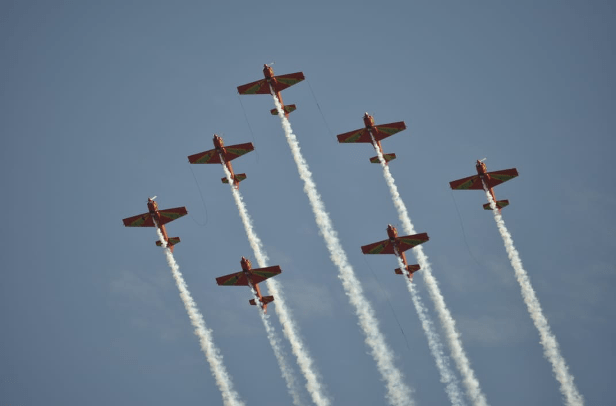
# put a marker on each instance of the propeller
(152, 198)
(481, 160)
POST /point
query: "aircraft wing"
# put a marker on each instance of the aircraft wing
(361, 135)
(470, 183)
(261, 86)
(169, 215)
(234, 279)
(498, 177)
(233, 151)
(206, 157)
(381, 247)
(385, 130)
(288, 80)
(240, 279)
(380, 132)
(140, 220)
(410, 241)
(261, 274)
(258, 87)
(474, 182)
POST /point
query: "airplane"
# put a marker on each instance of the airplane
(278, 83)
(223, 155)
(157, 218)
(379, 132)
(397, 245)
(251, 277)
(491, 179)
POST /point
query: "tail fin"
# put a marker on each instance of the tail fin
(238, 178)
(265, 300)
(172, 241)
(388, 157)
(499, 203)
(410, 268)
(287, 109)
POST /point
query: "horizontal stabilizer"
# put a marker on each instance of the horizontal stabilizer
(499, 203)
(265, 300)
(410, 268)
(388, 157)
(287, 109)
(238, 178)
(172, 241)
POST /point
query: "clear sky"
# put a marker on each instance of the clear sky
(103, 101)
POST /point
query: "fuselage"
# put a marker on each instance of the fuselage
(482, 171)
(268, 72)
(220, 149)
(369, 123)
(247, 268)
(392, 232)
(153, 209)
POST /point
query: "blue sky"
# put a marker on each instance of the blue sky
(103, 101)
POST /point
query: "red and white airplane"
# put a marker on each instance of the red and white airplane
(378, 132)
(491, 179)
(223, 155)
(397, 245)
(157, 218)
(278, 84)
(251, 277)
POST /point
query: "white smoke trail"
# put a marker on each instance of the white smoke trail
(398, 393)
(229, 396)
(473, 390)
(285, 369)
(448, 378)
(550, 346)
(304, 360)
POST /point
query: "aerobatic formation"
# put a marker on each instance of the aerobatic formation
(452, 336)
(397, 391)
